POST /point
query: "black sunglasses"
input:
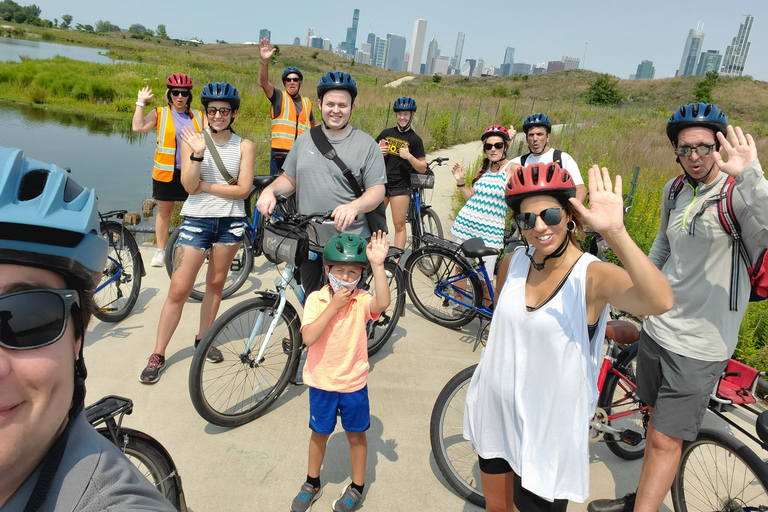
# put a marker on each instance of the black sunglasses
(292, 79)
(34, 318)
(488, 146)
(184, 94)
(703, 150)
(550, 216)
(223, 111)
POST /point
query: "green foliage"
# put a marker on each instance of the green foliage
(137, 28)
(440, 137)
(436, 79)
(106, 26)
(753, 334)
(703, 90)
(499, 91)
(66, 21)
(161, 33)
(47, 36)
(36, 94)
(19, 17)
(604, 91)
(515, 93)
(314, 55)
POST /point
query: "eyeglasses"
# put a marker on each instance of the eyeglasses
(223, 111)
(34, 318)
(488, 146)
(292, 79)
(550, 216)
(183, 94)
(703, 150)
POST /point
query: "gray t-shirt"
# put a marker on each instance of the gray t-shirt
(320, 185)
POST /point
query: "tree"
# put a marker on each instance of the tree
(161, 33)
(604, 91)
(137, 28)
(55, 22)
(703, 90)
(66, 21)
(106, 26)
(19, 17)
(31, 10)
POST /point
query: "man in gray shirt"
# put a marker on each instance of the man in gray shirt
(318, 182)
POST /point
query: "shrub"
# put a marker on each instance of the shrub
(604, 91)
(37, 94)
(703, 90)
(436, 79)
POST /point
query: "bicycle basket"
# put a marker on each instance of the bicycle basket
(426, 180)
(284, 241)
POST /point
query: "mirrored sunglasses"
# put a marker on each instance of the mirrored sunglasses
(292, 79)
(703, 150)
(550, 216)
(34, 318)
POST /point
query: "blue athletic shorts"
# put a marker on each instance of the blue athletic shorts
(353, 408)
(204, 232)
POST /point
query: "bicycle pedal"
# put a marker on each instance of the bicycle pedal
(631, 437)
(287, 346)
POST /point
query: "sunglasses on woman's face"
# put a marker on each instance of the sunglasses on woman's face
(488, 146)
(34, 318)
(550, 216)
(183, 93)
(223, 111)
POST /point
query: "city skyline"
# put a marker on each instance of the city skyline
(611, 45)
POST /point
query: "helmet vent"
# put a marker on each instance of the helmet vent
(695, 110)
(550, 172)
(360, 249)
(520, 176)
(32, 184)
(708, 110)
(535, 174)
(339, 247)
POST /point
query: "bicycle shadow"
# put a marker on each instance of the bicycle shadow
(400, 333)
(101, 329)
(468, 507)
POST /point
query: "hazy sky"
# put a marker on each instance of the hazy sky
(618, 34)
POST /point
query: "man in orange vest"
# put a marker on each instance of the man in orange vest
(291, 112)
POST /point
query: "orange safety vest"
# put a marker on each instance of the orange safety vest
(165, 153)
(287, 125)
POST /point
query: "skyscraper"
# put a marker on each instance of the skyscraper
(432, 53)
(571, 62)
(296, 41)
(395, 52)
(380, 51)
(691, 51)
(456, 60)
(645, 70)
(417, 45)
(736, 53)
(349, 44)
(709, 61)
(310, 35)
(509, 59)
(264, 33)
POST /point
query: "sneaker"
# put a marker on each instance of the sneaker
(155, 367)
(307, 496)
(214, 354)
(625, 504)
(158, 260)
(348, 500)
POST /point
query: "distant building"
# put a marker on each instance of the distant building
(737, 52)
(456, 60)
(441, 65)
(265, 34)
(327, 44)
(417, 45)
(632, 76)
(465, 69)
(709, 61)
(539, 68)
(380, 52)
(645, 70)
(310, 34)
(316, 42)
(296, 41)
(349, 44)
(571, 62)
(693, 44)
(509, 59)
(363, 57)
(555, 65)
(479, 68)
(395, 52)
(520, 68)
(432, 53)
(406, 60)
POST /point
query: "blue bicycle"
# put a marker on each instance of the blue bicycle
(422, 217)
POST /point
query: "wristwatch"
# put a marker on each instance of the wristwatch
(194, 158)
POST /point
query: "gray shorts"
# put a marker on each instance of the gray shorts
(677, 387)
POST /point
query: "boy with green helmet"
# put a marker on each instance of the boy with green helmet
(336, 370)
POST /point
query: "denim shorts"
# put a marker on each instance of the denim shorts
(204, 232)
(325, 406)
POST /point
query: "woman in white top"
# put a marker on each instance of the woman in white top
(213, 225)
(531, 398)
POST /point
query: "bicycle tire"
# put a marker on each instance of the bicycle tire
(719, 472)
(431, 222)
(454, 455)
(116, 300)
(426, 271)
(239, 269)
(616, 397)
(381, 330)
(238, 389)
(150, 462)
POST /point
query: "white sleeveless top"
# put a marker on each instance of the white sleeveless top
(207, 205)
(535, 390)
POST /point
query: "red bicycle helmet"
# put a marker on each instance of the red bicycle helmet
(497, 130)
(538, 179)
(179, 80)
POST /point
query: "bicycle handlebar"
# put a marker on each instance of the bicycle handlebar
(439, 161)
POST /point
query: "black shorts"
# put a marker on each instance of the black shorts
(525, 500)
(169, 190)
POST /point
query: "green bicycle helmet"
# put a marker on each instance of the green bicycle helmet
(345, 249)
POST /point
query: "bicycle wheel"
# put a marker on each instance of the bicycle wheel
(454, 455)
(241, 388)
(381, 330)
(121, 280)
(152, 463)
(431, 222)
(239, 269)
(618, 397)
(433, 284)
(719, 472)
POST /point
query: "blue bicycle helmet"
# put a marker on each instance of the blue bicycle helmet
(336, 80)
(697, 114)
(404, 104)
(292, 69)
(220, 91)
(47, 220)
(537, 120)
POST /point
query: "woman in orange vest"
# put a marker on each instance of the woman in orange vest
(166, 174)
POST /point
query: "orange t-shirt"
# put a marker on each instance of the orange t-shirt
(338, 361)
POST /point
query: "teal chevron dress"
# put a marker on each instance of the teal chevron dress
(484, 214)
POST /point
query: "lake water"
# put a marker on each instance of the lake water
(118, 166)
(11, 48)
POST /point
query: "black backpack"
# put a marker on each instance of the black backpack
(557, 157)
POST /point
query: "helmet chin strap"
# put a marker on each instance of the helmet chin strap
(559, 252)
(407, 127)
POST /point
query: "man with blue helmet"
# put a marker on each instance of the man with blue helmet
(537, 128)
(291, 112)
(51, 254)
(683, 352)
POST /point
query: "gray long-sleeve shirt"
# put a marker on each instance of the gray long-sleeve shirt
(696, 260)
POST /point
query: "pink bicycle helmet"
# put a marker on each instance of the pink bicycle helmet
(496, 130)
(179, 80)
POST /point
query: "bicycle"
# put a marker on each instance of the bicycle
(422, 217)
(250, 249)
(620, 418)
(118, 291)
(261, 339)
(718, 471)
(146, 453)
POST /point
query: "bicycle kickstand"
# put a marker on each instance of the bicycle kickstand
(482, 333)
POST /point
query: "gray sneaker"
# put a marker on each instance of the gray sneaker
(306, 497)
(348, 500)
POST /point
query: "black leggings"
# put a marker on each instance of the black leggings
(525, 500)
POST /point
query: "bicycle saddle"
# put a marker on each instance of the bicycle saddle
(262, 181)
(475, 248)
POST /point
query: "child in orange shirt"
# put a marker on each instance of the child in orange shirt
(336, 370)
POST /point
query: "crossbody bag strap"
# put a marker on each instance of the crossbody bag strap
(324, 145)
(217, 159)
